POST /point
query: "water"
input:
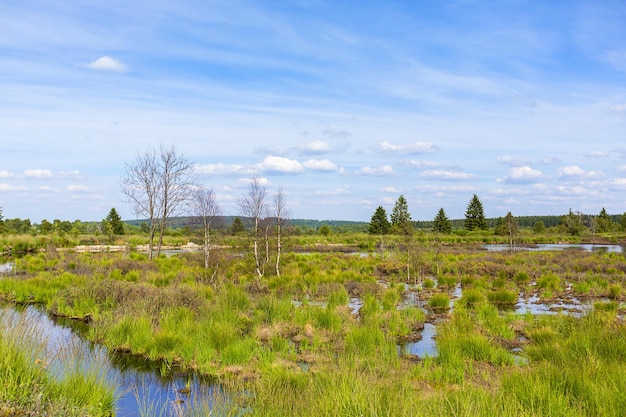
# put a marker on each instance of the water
(426, 346)
(7, 268)
(556, 246)
(140, 387)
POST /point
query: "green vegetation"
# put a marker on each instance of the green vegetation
(30, 387)
(322, 338)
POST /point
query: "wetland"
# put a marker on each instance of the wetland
(426, 329)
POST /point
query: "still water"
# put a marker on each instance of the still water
(140, 387)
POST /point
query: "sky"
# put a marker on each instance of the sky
(342, 105)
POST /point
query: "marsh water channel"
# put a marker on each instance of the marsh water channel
(141, 387)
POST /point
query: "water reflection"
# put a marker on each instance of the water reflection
(141, 389)
(588, 247)
(426, 346)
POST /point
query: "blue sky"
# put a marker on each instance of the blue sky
(344, 105)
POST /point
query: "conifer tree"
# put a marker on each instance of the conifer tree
(401, 218)
(442, 223)
(114, 222)
(379, 225)
(604, 221)
(475, 216)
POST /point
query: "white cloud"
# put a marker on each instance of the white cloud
(393, 190)
(280, 164)
(38, 173)
(380, 170)
(8, 187)
(336, 191)
(410, 148)
(70, 174)
(618, 183)
(261, 180)
(5, 174)
(523, 174)
(315, 147)
(571, 171)
(45, 188)
(443, 174)
(597, 154)
(576, 171)
(507, 191)
(221, 169)
(576, 190)
(422, 164)
(108, 64)
(509, 160)
(77, 188)
(320, 165)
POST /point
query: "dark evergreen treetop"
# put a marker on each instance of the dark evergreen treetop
(379, 225)
(401, 218)
(475, 215)
(604, 221)
(442, 223)
(115, 222)
(237, 226)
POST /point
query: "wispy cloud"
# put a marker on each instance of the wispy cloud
(38, 173)
(446, 175)
(77, 188)
(221, 169)
(335, 132)
(406, 149)
(9, 187)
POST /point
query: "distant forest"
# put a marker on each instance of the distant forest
(346, 226)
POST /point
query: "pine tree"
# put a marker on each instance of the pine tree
(114, 223)
(401, 218)
(237, 226)
(379, 225)
(604, 222)
(442, 223)
(475, 216)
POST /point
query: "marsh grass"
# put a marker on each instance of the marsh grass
(39, 381)
(248, 331)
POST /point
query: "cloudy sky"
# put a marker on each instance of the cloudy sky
(344, 105)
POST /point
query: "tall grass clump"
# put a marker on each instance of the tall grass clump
(42, 379)
(578, 367)
(439, 302)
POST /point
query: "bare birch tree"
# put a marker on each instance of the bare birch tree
(281, 214)
(253, 205)
(141, 185)
(206, 210)
(157, 184)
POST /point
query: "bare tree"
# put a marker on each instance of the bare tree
(253, 206)
(206, 210)
(157, 184)
(281, 214)
(141, 185)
